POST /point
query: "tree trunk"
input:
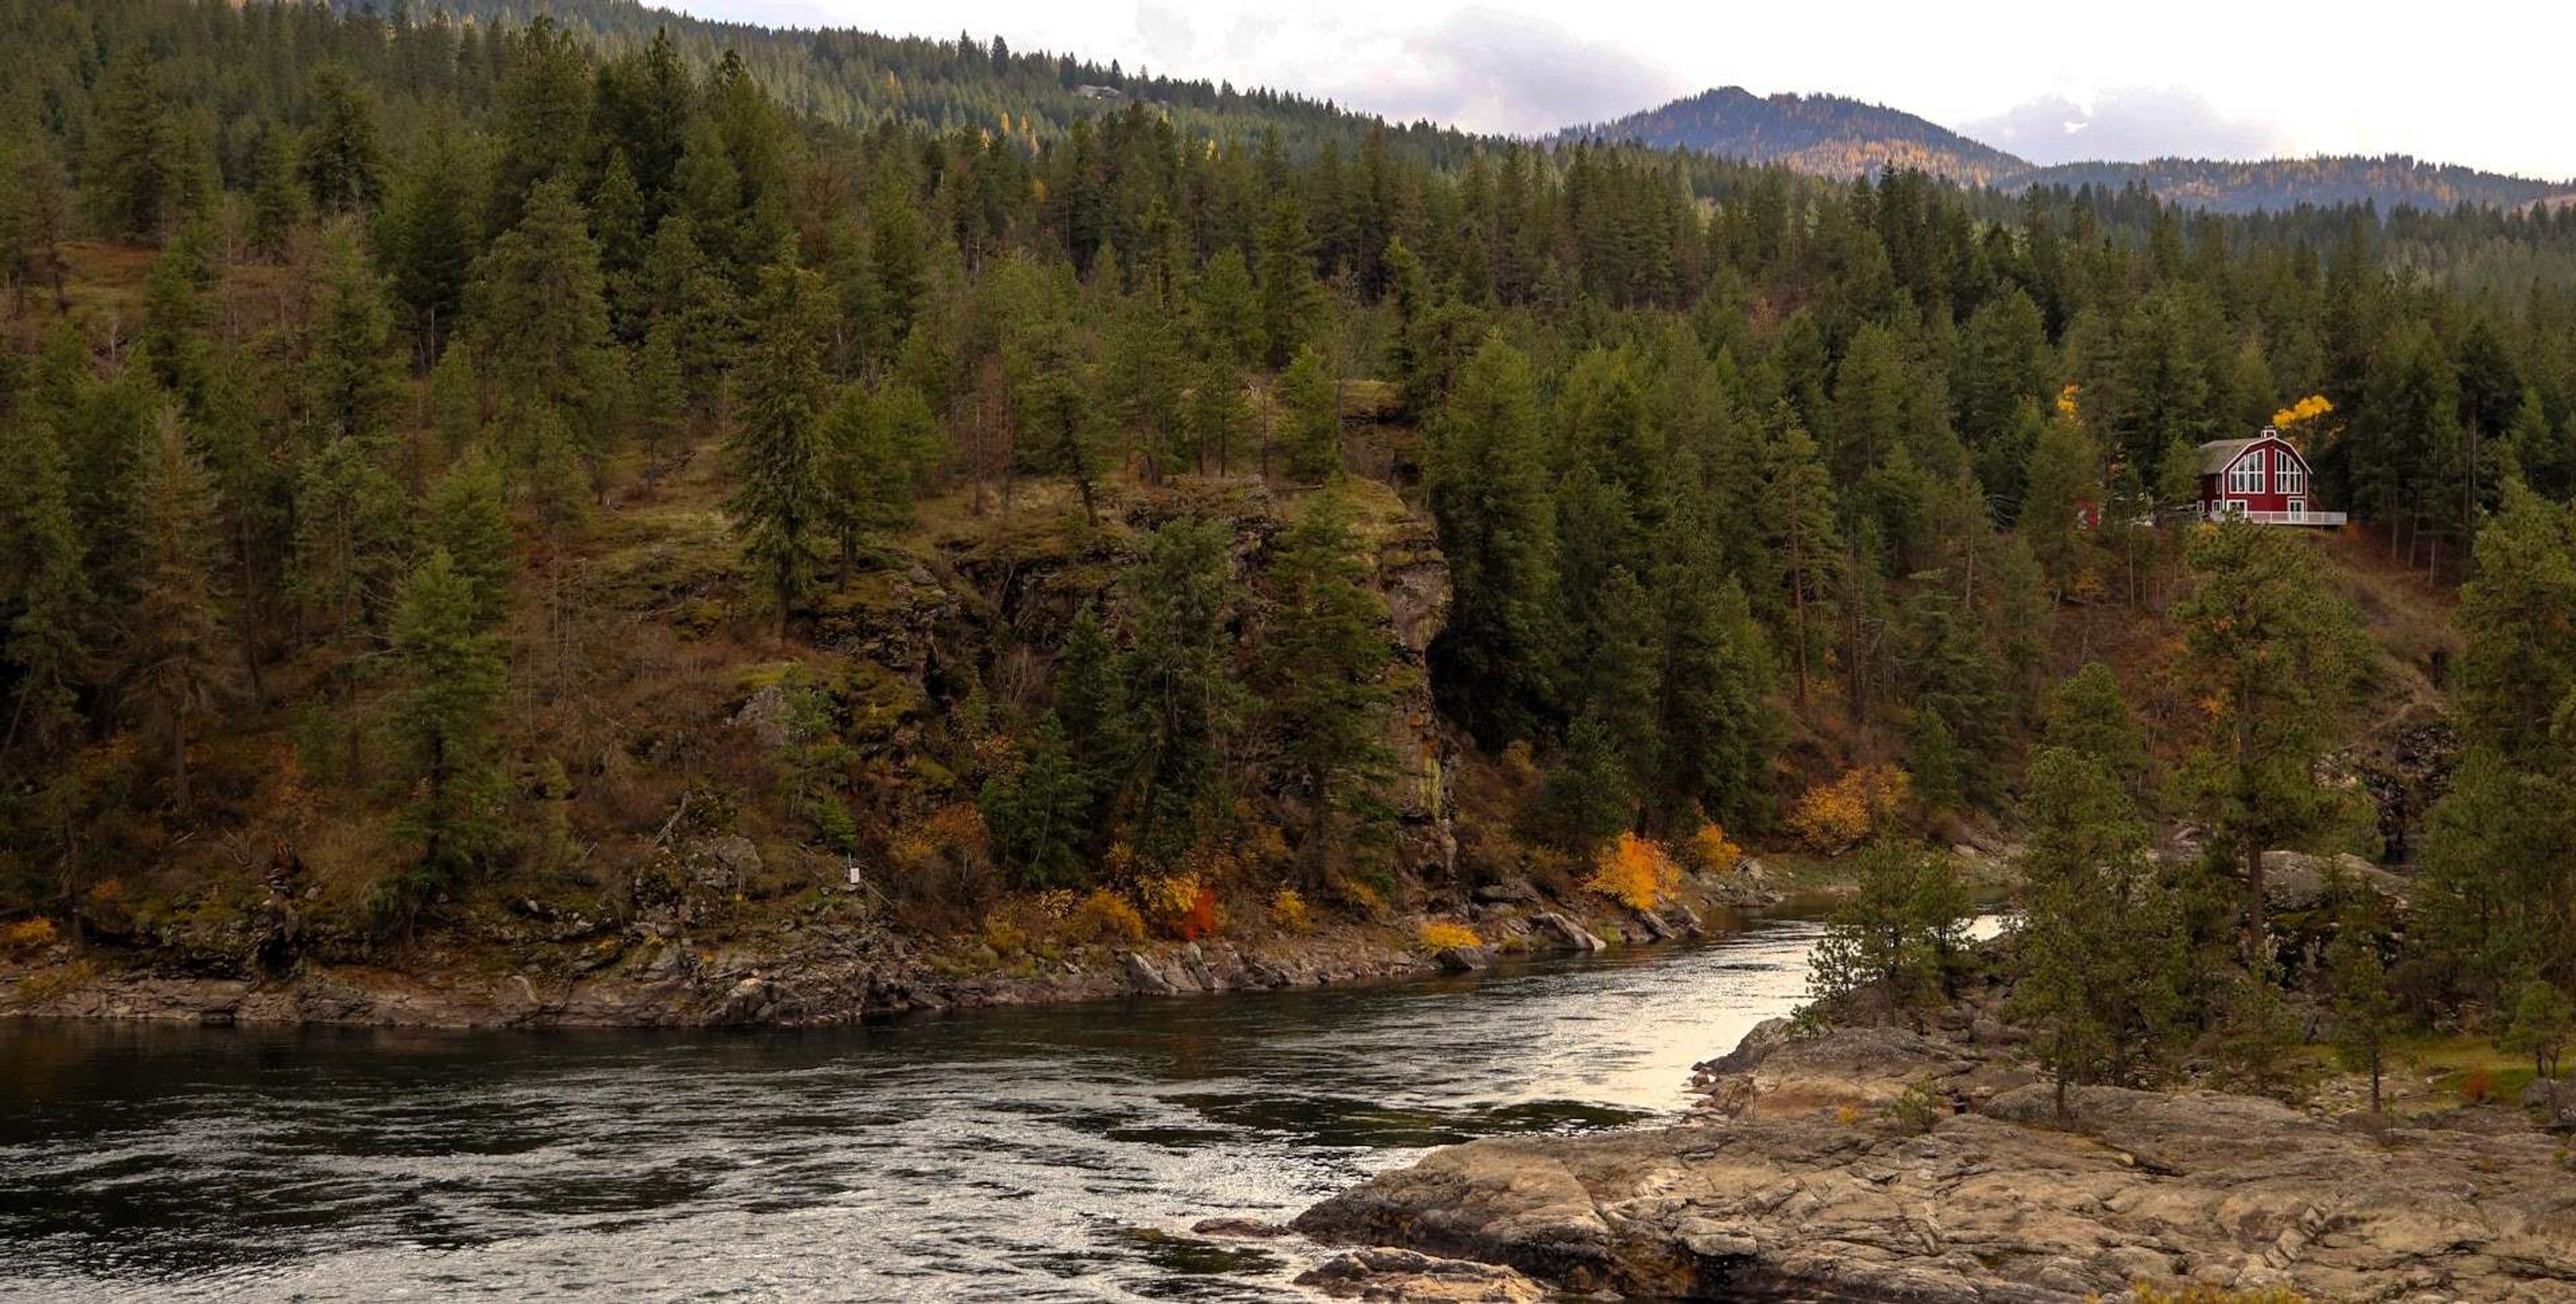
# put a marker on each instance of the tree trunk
(2256, 928)
(179, 758)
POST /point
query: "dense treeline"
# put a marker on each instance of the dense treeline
(1722, 460)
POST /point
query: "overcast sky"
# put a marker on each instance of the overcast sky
(2481, 82)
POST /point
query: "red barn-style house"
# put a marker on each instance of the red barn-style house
(2263, 480)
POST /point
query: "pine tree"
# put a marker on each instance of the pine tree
(428, 235)
(780, 499)
(1039, 812)
(2088, 716)
(1489, 498)
(349, 382)
(1799, 534)
(2098, 930)
(1311, 414)
(45, 593)
(1323, 679)
(2274, 651)
(1143, 385)
(447, 722)
(541, 325)
(1217, 415)
(179, 644)
(1291, 305)
(1229, 308)
(1893, 941)
(1180, 594)
(617, 227)
(276, 201)
(138, 165)
(1058, 420)
(2366, 1015)
(1715, 724)
(468, 522)
(343, 166)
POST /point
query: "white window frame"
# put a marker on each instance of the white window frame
(2235, 509)
(2245, 476)
(2298, 507)
(2291, 477)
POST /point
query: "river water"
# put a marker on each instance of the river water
(1051, 1153)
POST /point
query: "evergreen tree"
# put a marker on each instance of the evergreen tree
(2098, 934)
(1799, 534)
(2088, 716)
(1488, 490)
(1310, 409)
(1058, 419)
(46, 602)
(468, 522)
(1229, 309)
(1324, 680)
(540, 322)
(343, 166)
(276, 199)
(2365, 1006)
(1892, 942)
(1039, 812)
(1292, 307)
(1177, 669)
(1217, 414)
(781, 499)
(2275, 651)
(447, 722)
(138, 167)
(349, 383)
(178, 641)
(428, 235)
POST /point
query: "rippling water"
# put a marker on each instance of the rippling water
(1052, 1153)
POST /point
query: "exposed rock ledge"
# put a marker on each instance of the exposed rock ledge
(1808, 1193)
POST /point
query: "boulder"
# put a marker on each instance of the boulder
(1402, 1275)
(1461, 959)
(2553, 1102)
(1510, 891)
(1563, 933)
(1147, 979)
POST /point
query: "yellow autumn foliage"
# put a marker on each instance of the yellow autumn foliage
(1637, 871)
(1288, 910)
(1440, 935)
(27, 934)
(1832, 818)
(1107, 917)
(1713, 851)
(2306, 409)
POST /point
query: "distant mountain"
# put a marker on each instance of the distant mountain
(1830, 135)
(1827, 135)
(2279, 183)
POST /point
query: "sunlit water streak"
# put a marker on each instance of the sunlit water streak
(1038, 1154)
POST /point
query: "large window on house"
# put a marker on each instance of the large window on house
(2291, 478)
(2246, 477)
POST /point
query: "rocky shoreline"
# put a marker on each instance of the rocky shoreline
(1798, 1181)
(816, 976)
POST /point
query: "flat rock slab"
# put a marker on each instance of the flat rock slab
(1800, 1196)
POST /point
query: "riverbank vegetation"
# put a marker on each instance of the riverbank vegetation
(510, 484)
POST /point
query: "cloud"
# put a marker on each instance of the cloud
(1494, 71)
(2129, 124)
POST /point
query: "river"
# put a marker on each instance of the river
(1049, 1153)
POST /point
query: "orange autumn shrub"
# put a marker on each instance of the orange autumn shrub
(1637, 871)
(1106, 917)
(1288, 910)
(1713, 851)
(1440, 935)
(1832, 818)
(27, 934)
(1179, 905)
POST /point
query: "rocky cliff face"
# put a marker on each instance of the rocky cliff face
(1809, 1192)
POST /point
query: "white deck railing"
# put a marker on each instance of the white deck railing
(2281, 518)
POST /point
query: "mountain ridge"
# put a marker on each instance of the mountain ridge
(1841, 136)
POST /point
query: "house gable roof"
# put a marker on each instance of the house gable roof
(2219, 454)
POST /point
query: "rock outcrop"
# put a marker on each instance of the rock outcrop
(1802, 1187)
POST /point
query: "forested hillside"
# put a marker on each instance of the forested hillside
(1826, 135)
(458, 476)
(1832, 136)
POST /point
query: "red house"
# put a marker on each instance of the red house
(2263, 480)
